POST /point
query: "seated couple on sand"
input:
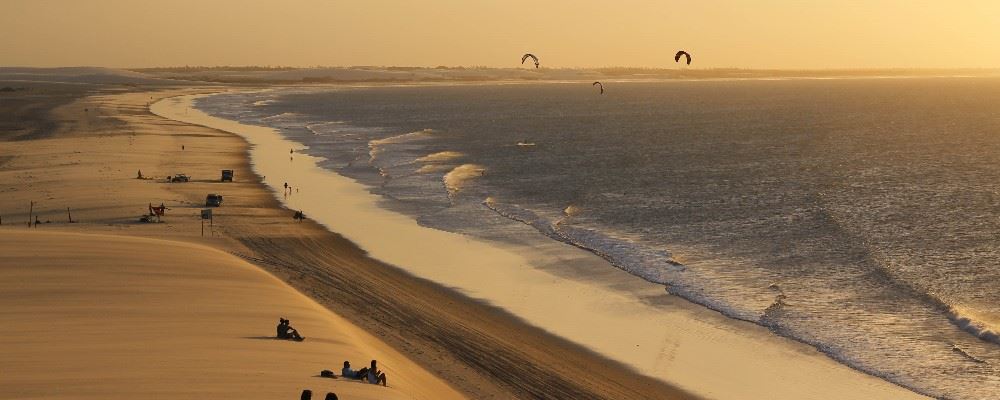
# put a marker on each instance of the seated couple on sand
(285, 331)
(372, 374)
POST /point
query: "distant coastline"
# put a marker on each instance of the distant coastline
(381, 74)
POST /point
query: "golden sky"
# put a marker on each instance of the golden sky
(577, 33)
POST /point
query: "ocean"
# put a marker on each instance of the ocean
(859, 216)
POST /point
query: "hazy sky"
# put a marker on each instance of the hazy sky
(577, 33)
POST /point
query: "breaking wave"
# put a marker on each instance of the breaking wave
(975, 327)
(440, 156)
(456, 179)
(377, 146)
(314, 128)
(401, 138)
(284, 115)
(432, 168)
(652, 264)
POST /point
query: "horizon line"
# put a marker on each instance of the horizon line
(485, 67)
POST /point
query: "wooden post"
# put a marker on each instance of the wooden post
(68, 214)
(31, 210)
(202, 228)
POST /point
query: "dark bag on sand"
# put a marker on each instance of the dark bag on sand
(327, 374)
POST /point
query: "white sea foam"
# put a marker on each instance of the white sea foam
(403, 137)
(432, 168)
(975, 326)
(654, 265)
(317, 127)
(458, 177)
(441, 156)
(958, 349)
(376, 147)
(572, 210)
(284, 115)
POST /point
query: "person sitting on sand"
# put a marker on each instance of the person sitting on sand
(375, 376)
(285, 330)
(349, 373)
(282, 329)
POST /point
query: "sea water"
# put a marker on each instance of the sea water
(859, 216)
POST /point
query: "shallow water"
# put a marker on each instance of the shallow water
(855, 215)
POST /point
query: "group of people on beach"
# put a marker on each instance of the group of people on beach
(288, 189)
(372, 374)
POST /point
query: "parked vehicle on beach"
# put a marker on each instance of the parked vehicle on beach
(180, 178)
(213, 200)
(227, 175)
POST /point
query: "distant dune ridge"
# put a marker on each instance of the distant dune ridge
(80, 75)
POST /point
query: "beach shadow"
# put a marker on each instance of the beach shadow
(207, 181)
(345, 380)
(311, 339)
(264, 338)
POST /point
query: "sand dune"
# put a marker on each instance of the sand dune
(101, 317)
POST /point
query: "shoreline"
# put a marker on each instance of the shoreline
(89, 165)
(682, 357)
